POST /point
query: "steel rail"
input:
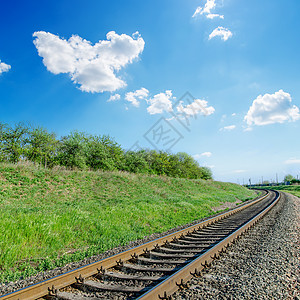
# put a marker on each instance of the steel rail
(41, 289)
(179, 279)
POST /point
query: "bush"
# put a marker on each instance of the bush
(135, 162)
(102, 152)
(13, 141)
(295, 181)
(41, 147)
(72, 150)
(79, 150)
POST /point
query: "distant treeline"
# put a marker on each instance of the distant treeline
(84, 151)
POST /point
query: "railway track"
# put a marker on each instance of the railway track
(155, 269)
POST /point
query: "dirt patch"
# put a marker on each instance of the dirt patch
(226, 205)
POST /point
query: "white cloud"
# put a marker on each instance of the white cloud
(206, 10)
(206, 154)
(93, 67)
(212, 16)
(160, 103)
(197, 12)
(233, 114)
(228, 128)
(114, 97)
(4, 67)
(292, 161)
(209, 5)
(272, 108)
(135, 97)
(197, 107)
(163, 102)
(223, 32)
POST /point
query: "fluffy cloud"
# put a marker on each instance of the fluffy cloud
(224, 33)
(197, 12)
(93, 67)
(197, 107)
(160, 103)
(212, 16)
(206, 10)
(272, 108)
(135, 97)
(228, 128)
(114, 97)
(292, 161)
(4, 67)
(205, 154)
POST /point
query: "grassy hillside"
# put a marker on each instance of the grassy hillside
(293, 189)
(51, 217)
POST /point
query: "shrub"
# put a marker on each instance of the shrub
(135, 162)
(79, 150)
(41, 147)
(13, 141)
(72, 150)
(102, 152)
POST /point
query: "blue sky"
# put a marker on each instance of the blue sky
(62, 61)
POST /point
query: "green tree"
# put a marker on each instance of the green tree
(206, 173)
(174, 166)
(189, 167)
(288, 178)
(103, 153)
(116, 153)
(295, 181)
(159, 162)
(135, 162)
(41, 147)
(82, 151)
(2, 131)
(13, 141)
(72, 150)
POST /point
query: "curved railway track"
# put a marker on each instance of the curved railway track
(155, 269)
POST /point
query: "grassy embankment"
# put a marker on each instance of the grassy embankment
(49, 218)
(292, 189)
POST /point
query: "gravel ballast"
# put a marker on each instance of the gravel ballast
(264, 264)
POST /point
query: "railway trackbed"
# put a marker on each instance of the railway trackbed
(157, 268)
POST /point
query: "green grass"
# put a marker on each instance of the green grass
(292, 189)
(51, 217)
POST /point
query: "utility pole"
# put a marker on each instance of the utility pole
(277, 178)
